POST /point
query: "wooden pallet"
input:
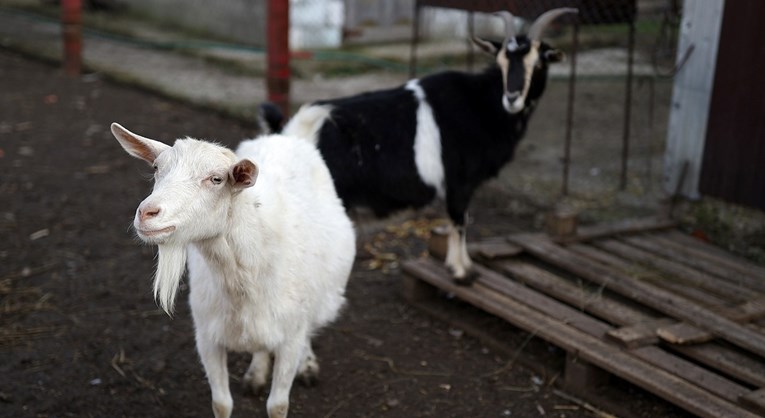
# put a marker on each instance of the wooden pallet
(639, 300)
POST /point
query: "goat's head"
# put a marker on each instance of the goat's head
(195, 183)
(523, 60)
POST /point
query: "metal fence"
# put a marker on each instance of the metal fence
(609, 103)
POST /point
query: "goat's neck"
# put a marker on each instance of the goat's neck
(239, 255)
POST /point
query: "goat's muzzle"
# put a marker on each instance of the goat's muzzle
(513, 102)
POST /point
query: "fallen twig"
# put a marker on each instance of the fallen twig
(595, 411)
(392, 365)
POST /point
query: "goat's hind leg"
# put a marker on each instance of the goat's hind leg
(256, 377)
(308, 371)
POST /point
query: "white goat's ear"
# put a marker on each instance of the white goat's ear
(243, 174)
(138, 146)
(488, 47)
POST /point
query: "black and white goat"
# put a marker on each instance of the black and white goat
(440, 136)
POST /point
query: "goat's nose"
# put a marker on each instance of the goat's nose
(513, 95)
(147, 212)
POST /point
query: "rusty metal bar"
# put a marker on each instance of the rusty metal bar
(471, 34)
(627, 108)
(415, 40)
(570, 110)
(278, 52)
(71, 26)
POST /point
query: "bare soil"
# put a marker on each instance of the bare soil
(80, 335)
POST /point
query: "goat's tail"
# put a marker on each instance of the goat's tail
(270, 118)
(308, 121)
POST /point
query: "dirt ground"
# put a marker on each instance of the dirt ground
(81, 336)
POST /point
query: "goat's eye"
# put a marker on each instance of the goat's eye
(155, 167)
(216, 179)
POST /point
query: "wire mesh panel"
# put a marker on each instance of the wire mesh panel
(613, 112)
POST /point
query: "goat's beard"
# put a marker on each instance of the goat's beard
(170, 268)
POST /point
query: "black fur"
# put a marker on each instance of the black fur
(368, 141)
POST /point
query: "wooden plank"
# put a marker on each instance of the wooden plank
(641, 273)
(732, 362)
(628, 226)
(701, 376)
(691, 372)
(699, 263)
(488, 249)
(640, 334)
(755, 401)
(683, 333)
(492, 249)
(596, 303)
(745, 312)
(592, 349)
(712, 355)
(646, 293)
(541, 302)
(700, 248)
(711, 284)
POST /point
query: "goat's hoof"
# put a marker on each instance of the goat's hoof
(309, 380)
(309, 373)
(278, 411)
(466, 280)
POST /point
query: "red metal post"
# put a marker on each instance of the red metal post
(278, 51)
(71, 23)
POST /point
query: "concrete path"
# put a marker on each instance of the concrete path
(230, 77)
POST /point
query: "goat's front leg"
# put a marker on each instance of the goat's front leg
(287, 357)
(457, 258)
(214, 361)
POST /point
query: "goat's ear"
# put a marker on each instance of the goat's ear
(554, 55)
(138, 146)
(243, 174)
(488, 47)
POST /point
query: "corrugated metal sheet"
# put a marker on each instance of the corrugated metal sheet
(733, 166)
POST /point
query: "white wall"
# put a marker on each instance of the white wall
(316, 23)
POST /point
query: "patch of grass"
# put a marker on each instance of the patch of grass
(736, 228)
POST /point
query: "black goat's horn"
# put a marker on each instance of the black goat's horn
(509, 26)
(539, 25)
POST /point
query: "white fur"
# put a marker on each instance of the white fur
(307, 125)
(427, 142)
(267, 264)
(457, 257)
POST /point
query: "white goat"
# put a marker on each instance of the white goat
(267, 265)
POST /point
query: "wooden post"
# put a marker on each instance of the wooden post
(278, 51)
(561, 222)
(71, 23)
(581, 375)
